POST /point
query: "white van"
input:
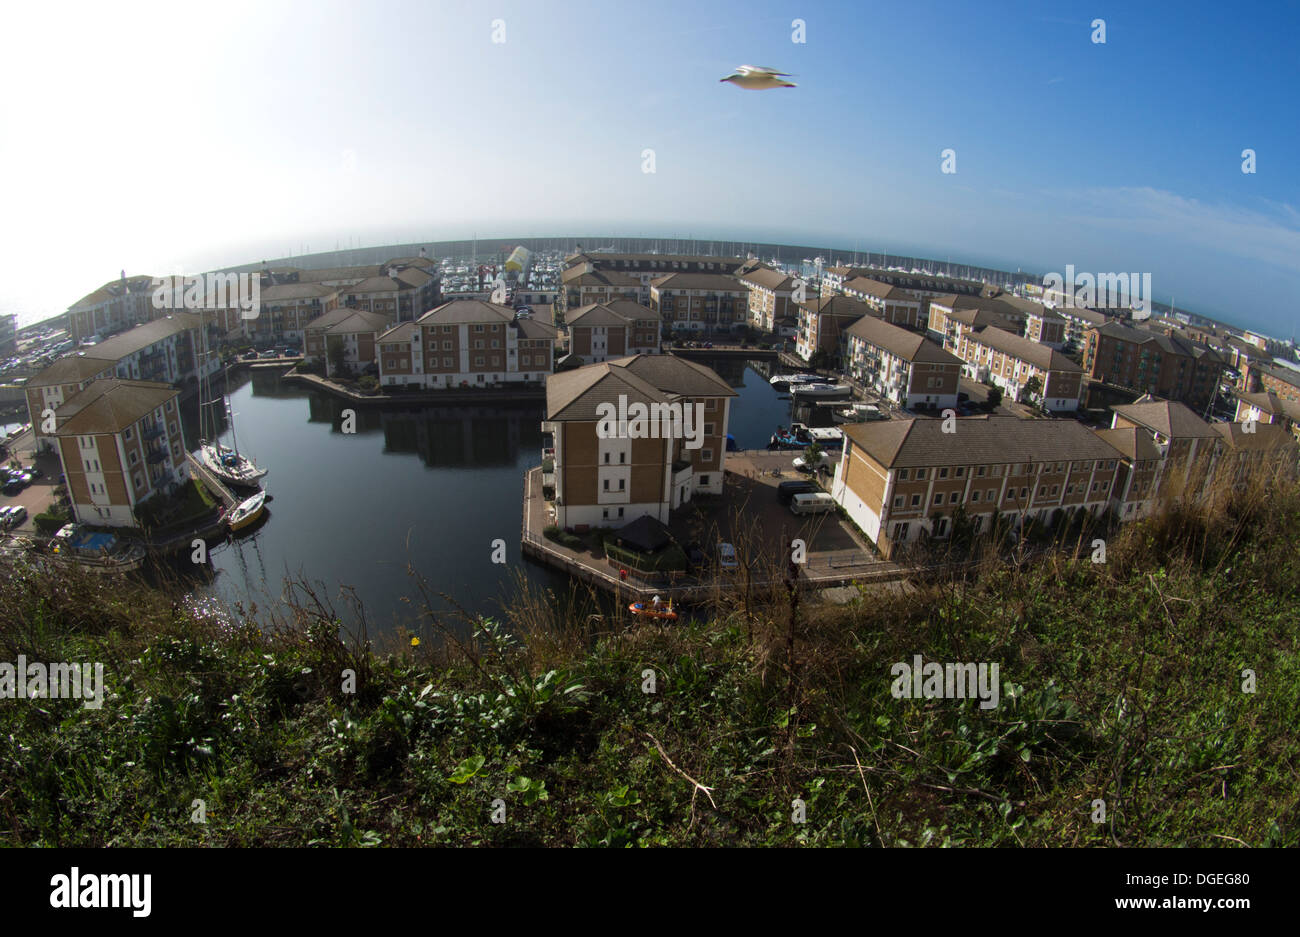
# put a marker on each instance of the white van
(813, 502)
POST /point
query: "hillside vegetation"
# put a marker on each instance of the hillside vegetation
(1122, 682)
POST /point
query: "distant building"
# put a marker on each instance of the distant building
(1268, 407)
(58, 383)
(287, 309)
(645, 268)
(952, 318)
(771, 298)
(120, 443)
(905, 367)
(1181, 436)
(613, 330)
(895, 305)
(610, 479)
(822, 322)
(8, 334)
(1046, 327)
(700, 301)
(1011, 361)
(1147, 362)
(467, 342)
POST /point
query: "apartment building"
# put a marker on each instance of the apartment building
(924, 285)
(467, 343)
(586, 285)
(1078, 321)
(952, 318)
(645, 268)
(900, 480)
(120, 443)
(822, 322)
(57, 384)
(902, 366)
(895, 305)
(1282, 381)
(607, 478)
(287, 308)
(357, 335)
(116, 305)
(1045, 326)
(1011, 361)
(1268, 407)
(1141, 466)
(1150, 363)
(1181, 436)
(613, 330)
(771, 298)
(700, 301)
(1263, 450)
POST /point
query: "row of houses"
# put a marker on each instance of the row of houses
(903, 480)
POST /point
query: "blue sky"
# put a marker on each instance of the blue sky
(168, 138)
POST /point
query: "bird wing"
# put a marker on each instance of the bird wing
(758, 71)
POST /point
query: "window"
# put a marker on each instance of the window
(607, 458)
(605, 486)
(134, 458)
(952, 498)
(605, 513)
(943, 473)
(902, 475)
(478, 328)
(920, 474)
(478, 343)
(622, 484)
(938, 497)
(961, 472)
(446, 346)
(478, 360)
(447, 363)
(127, 433)
(1024, 492)
(916, 501)
(979, 472)
(898, 501)
(622, 458)
(706, 455)
(974, 496)
(704, 480)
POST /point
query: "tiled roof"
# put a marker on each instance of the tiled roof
(909, 346)
(893, 294)
(1266, 437)
(402, 332)
(110, 406)
(717, 282)
(467, 311)
(1025, 349)
(769, 280)
(145, 334)
(979, 440)
(1137, 445)
(282, 292)
(575, 395)
(1169, 418)
(533, 329)
(675, 375)
(1271, 403)
(72, 369)
(360, 321)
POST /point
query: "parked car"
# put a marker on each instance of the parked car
(786, 491)
(269, 354)
(249, 356)
(15, 516)
(727, 556)
(804, 463)
(292, 353)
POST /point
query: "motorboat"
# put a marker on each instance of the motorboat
(859, 413)
(247, 512)
(650, 610)
(785, 380)
(820, 390)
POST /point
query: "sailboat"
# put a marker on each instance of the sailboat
(246, 513)
(226, 462)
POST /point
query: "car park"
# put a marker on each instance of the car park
(786, 491)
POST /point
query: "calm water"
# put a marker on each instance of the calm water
(428, 486)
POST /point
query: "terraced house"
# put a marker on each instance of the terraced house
(611, 479)
(585, 285)
(952, 318)
(116, 305)
(287, 308)
(822, 321)
(120, 443)
(1150, 363)
(353, 330)
(1282, 381)
(645, 268)
(902, 366)
(1268, 407)
(58, 383)
(699, 301)
(1011, 362)
(894, 304)
(468, 343)
(1182, 437)
(613, 330)
(771, 298)
(901, 480)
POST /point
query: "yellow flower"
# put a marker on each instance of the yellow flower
(415, 642)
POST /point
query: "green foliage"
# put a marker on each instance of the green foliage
(562, 537)
(1121, 680)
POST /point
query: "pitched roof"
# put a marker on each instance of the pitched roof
(575, 395)
(591, 276)
(718, 282)
(616, 312)
(282, 292)
(145, 334)
(837, 304)
(402, 332)
(978, 440)
(1271, 403)
(72, 369)
(382, 284)
(1286, 375)
(113, 290)
(909, 346)
(110, 406)
(1267, 436)
(360, 321)
(467, 311)
(675, 375)
(1169, 418)
(414, 276)
(1025, 349)
(534, 329)
(1136, 445)
(768, 279)
(1167, 343)
(328, 319)
(341, 273)
(893, 294)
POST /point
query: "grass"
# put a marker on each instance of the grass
(1126, 682)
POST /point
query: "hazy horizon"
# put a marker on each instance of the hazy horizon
(318, 127)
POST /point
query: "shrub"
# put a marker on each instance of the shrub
(562, 537)
(50, 521)
(368, 382)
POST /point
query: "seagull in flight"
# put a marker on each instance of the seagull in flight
(758, 78)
